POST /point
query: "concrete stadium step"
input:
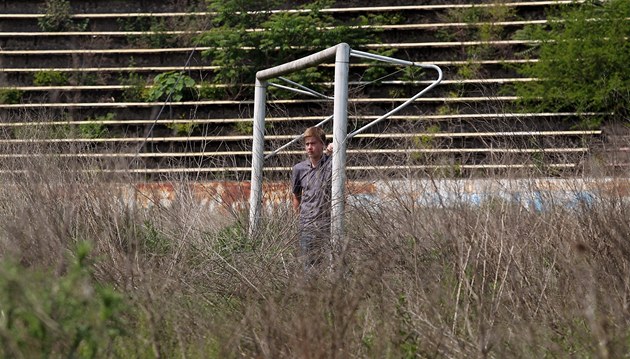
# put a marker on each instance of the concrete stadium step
(37, 33)
(28, 36)
(329, 85)
(503, 52)
(379, 89)
(239, 118)
(51, 48)
(308, 120)
(93, 9)
(23, 76)
(368, 151)
(236, 138)
(390, 172)
(222, 108)
(455, 129)
(453, 161)
(248, 102)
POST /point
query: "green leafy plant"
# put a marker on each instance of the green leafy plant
(70, 316)
(583, 60)
(10, 96)
(232, 240)
(589, 123)
(244, 127)
(247, 127)
(95, 129)
(134, 87)
(446, 110)
(50, 78)
(211, 91)
(58, 17)
(153, 240)
(424, 142)
(175, 85)
(427, 140)
(411, 73)
(182, 128)
(469, 70)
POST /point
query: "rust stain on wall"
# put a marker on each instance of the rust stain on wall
(152, 194)
(357, 188)
(231, 197)
(227, 196)
(615, 188)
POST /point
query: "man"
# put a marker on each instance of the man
(311, 187)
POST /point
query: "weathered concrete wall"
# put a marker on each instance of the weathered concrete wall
(535, 194)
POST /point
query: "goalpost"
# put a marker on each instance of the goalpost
(342, 53)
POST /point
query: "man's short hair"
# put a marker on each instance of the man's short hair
(316, 132)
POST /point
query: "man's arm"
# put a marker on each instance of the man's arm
(296, 203)
(296, 189)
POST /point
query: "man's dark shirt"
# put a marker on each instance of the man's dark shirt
(313, 186)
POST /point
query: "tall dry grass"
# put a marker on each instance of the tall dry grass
(454, 280)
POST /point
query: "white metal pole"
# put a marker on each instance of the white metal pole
(258, 147)
(340, 129)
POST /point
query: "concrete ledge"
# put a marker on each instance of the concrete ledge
(534, 194)
(291, 137)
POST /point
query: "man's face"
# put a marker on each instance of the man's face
(314, 147)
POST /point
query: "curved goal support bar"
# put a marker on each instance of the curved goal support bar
(275, 152)
(367, 55)
(300, 89)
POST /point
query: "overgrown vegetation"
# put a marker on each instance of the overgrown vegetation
(157, 32)
(96, 129)
(49, 315)
(583, 59)
(182, 129)
(50, 78)
(10, 96)
(135, 87)
(483, 26)
(95, 269)
(172, 85)
(153, 31)
(279, 37)
(58, 17)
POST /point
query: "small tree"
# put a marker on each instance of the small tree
(58, 17)
(583, 60)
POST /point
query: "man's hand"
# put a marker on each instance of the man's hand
(329, 149)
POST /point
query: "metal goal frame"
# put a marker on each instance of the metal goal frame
(342, 53)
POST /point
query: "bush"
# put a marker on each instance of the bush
(10, 96)
(583, 60)
(50, 78)
(58, 17)
(48, 316)
(135, 87)
(182, 129)
(94, 129)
